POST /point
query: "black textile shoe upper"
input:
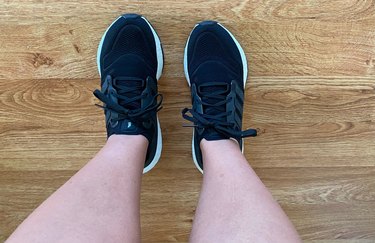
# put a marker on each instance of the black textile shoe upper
(130, 61)
(216, 69)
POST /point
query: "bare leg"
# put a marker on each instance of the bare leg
(234, 205)
(98, 204)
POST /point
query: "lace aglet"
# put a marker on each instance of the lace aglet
(252, 133)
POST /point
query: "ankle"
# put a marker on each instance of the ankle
(222, 155)
(125, 140)
(221, 144)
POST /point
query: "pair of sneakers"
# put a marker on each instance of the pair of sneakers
(130, 63)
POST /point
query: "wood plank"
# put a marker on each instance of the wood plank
(38, 40)
(55, 124)
(332, 203)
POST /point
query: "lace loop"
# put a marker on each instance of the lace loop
(224, 128)
(126, 107)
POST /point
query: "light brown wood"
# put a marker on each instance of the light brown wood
(311, 93)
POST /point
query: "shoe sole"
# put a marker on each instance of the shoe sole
(160, 60)
(244, 65)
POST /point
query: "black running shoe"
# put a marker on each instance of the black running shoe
(130, 62)
(216, 70)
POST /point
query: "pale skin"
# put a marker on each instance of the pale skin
(101, 202)
(234, 204)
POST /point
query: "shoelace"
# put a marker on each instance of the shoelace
(216, 121)
(133, 113)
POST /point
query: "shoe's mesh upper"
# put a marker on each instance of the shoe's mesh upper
(208, 45)
(130, 40)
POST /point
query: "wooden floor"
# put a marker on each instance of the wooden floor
(311, 93)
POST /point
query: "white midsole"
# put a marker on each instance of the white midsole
(159, 146)
(244, 65)
(159, 56)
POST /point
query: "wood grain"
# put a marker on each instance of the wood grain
(310, 93)
(324, 203)
(284, 37)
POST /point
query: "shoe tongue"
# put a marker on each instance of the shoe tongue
(212, 76)
(137, 86)
(209, 88)
(221, 75)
